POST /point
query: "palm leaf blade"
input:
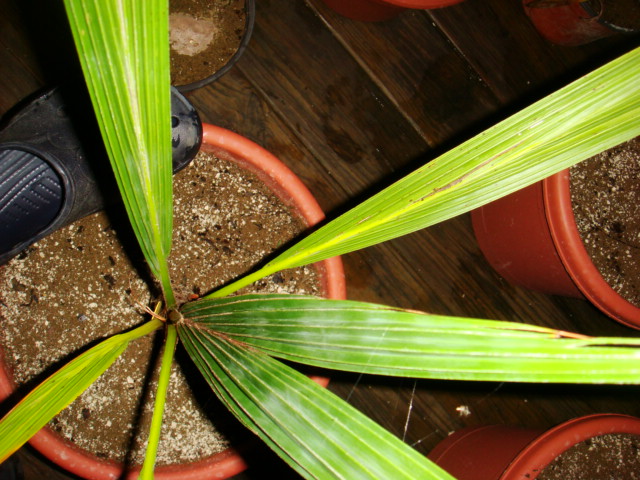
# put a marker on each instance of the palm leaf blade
(124, 53)
(61, 388)
(374, 339)
(588, 116)
(317, 433)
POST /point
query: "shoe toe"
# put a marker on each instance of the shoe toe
(31, 197)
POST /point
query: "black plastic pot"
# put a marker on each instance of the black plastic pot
(250, 7)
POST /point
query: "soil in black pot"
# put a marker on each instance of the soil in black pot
(614, 456)
(79, 284)
(204, 35)
(605, 193)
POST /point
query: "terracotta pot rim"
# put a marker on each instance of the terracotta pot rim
(420, 4)
(545, 448)
(80, 462)
(230, 461)
(380, 10)
(574, 256)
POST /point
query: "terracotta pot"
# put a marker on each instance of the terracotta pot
(378, 10)
(508, 453)
(530, 238)
(250, 8)
(578, 23)
(292, 191)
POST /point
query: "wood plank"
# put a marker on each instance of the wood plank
(15, 37)
(21, 74)
(499, 41)
(414, 63)
(16, 82)
(325, 96)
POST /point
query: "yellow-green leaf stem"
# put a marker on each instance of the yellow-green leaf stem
(61, 388)
(123, 47)
(588, 116)
(158, 409)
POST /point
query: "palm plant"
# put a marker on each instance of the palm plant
(237, 341)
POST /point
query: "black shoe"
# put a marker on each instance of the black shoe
(51, 156)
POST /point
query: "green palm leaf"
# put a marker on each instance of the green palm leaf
(317, 433)
(123, 47)
(590, 115)
(368, 338)
(61, 388)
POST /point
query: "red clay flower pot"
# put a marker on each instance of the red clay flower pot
(531, 239)
(378, 10)
(499, 452)
(293, 192)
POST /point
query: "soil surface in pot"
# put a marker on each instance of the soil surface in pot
(605, 193)
(614, 456)
(204, 35)
(78, 285)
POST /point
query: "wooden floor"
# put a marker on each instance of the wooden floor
(350, 106)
